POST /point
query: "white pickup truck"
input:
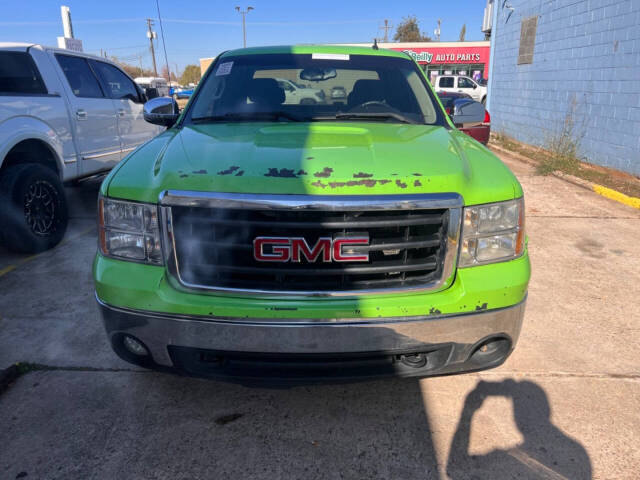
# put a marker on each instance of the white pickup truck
(63, 116)
(298, 95)
(460, 84)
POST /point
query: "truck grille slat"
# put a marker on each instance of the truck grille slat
(379, 267)
(350, 223)
(391, 243)
(324, 283)
(212, 248)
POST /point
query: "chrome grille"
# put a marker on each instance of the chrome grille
(411, 240)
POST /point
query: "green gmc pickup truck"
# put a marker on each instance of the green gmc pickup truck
(349, 238)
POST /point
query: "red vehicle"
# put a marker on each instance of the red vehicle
(468, 115)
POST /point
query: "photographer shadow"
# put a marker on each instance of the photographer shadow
(545, 453)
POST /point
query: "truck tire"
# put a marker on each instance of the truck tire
(34, 216)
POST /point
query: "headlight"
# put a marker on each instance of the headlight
(129, 231)
(492, 233)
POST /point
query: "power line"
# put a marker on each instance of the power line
(127, 48)
(189, 21)
(275, 24)
(164, 45)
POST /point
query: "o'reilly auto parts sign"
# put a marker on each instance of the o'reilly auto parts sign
(428, 57)
(420, 57)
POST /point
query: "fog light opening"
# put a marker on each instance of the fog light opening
(415, 360)
(491, 350)
(135, 346)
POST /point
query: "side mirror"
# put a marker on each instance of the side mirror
(475, 86)
(466, 111)
(162, 111)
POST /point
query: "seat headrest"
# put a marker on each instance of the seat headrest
(265, 92)
(366, 91)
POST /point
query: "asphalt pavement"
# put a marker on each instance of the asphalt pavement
(564, 405)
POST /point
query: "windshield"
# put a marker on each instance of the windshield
(262, 87)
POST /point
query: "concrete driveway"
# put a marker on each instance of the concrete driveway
(565, 404)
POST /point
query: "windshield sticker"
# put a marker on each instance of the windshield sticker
(329, 56)
(224, 69)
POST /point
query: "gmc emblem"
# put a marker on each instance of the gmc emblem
(293, 249)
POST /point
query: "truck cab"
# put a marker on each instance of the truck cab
(153, 86)
(461, 84)
(63, 116)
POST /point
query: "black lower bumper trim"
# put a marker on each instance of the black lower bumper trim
(295, 369)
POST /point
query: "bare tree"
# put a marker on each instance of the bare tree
(463, 32)
(409, 31)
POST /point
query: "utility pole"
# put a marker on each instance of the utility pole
(437, 31)
(244, 28)
(140, 62)
(151, 35)
(387, 26)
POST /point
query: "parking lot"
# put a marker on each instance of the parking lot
(564, 405)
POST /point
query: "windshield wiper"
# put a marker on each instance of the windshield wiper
(376, 115)
(247, 117)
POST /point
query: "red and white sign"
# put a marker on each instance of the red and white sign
(446, 53)
(294, 249)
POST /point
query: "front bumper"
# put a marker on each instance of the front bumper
(281, 350)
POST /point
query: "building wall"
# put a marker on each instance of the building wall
(204, 64)
(586, 54)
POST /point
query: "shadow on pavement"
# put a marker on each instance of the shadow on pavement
(149, 425)
(545, 453)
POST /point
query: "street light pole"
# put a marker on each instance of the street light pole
(244, 28)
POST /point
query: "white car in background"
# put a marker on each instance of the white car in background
(460, 84)
(154, 86)
(298, 95)
(63, 116)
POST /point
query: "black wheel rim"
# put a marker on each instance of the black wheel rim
(40, 207)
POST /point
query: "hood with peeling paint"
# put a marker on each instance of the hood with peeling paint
(322, 158)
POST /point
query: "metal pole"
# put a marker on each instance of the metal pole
(386, 30)
(244, 27)
(153, 52)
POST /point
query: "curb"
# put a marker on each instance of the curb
(632, 202)
(606, 192)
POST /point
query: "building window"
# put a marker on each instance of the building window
(527, 39)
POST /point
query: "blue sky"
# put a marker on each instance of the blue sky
(196, 28)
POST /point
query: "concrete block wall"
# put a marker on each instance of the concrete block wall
(587, 52)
